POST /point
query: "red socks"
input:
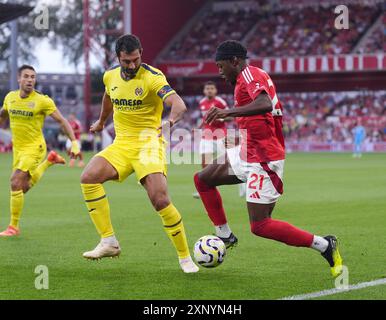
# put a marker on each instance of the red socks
(282, 231)
(266, 228)
(212, 201)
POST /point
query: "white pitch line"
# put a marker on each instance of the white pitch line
(329, 292)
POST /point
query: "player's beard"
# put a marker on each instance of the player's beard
(129, 73)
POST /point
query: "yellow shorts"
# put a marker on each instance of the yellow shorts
(141, 158)
(28, 160)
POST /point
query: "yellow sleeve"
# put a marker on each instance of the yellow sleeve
(5, 102)
(49, 106)
(105, 82)
(161, 86)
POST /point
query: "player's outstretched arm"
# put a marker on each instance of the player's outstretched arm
(107, 108)
(176, 113)
(3, 115)
(178, 107)
(58, 117)
(261, 105)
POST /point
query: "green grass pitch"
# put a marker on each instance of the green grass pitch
(324, 193)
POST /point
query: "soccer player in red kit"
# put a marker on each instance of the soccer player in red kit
(213, 134)
(258, 161)
(77, 128)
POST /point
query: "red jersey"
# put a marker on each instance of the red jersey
(76, 127)
(264, 140)
(217, 129)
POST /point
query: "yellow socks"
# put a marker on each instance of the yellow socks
(17, 197)
(98, 207)
(17, 202)
(37, 174)
(174, 228)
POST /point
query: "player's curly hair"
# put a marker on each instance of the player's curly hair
(229, 49)
(127, 43)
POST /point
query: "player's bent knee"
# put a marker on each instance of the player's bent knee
(160, 203)
(16, 187)
(204, 182)
(17, 184)
(257, 226)
(200, 183)
(209, 176)
(26, 186)
(88, 177)
(204, 177)
(200, 175)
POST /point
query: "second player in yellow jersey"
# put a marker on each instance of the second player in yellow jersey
(26, 121)
(27, 109)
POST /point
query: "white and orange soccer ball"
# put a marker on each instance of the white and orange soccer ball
(209, 251)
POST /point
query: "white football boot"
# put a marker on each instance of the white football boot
(188, 266)
(103, 250)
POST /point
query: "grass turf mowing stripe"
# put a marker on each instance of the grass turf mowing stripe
(329, 292)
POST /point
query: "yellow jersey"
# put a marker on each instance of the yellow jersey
(137, 102)
(26, 116)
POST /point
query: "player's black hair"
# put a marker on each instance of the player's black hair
(127, 43)
(229, 49)
(210, 83)
(23, 67)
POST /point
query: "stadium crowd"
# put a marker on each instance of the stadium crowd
(199, 42)
(284, 32)
(330, 117)
(376, 42)
(309, 31)
(319, 116)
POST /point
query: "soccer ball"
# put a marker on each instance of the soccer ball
(209, 251)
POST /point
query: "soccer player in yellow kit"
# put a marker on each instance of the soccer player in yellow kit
(135, 92)
(26, 109)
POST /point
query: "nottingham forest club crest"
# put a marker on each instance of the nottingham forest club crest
(138, 91)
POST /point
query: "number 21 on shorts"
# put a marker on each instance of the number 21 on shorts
(256, 181)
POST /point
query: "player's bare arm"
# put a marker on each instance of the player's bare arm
(107, 108)
(261, 105)
(228, 119)
(178, 108)
(58, 117)
(3, 115)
